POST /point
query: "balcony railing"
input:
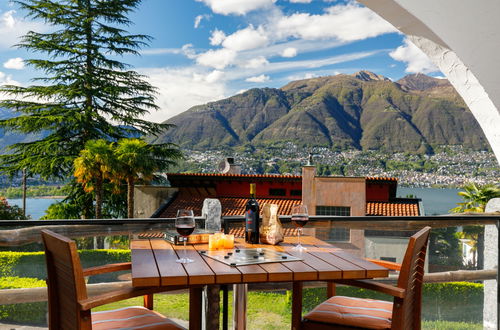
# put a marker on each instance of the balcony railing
(370, 236)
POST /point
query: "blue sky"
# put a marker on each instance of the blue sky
(205, 50)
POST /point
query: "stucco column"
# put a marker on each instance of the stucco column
(309, 188)
(490, 262)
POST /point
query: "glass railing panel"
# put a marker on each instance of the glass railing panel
(448, 303)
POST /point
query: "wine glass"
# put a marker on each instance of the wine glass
(299, 219)
(184, 223)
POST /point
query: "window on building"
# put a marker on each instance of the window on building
(336, 234)
(295, 192)
(277, 192)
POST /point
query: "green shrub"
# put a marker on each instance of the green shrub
(26, 313)
(454, 301)
(32, 264)
(10, 212)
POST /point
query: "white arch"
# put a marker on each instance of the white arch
(463, 39)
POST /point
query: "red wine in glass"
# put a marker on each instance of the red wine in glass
(300, 220)
(185, 223)
(184, 230)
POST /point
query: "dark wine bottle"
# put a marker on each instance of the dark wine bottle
(252, 218)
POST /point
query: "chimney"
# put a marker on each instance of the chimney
(228, 166)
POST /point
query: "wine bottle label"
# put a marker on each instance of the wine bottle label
(249, 219)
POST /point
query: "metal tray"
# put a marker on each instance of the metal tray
(241, 257)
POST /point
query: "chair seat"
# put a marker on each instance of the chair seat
(354, 312)
(136, 317)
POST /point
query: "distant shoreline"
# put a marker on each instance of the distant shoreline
(41, 197)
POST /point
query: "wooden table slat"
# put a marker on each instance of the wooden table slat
(171, 272)
(145, 272)
(223, 273)
(349, 270)
(199, 272)
(372, 269)
(325, 270)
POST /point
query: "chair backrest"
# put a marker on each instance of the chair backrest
(65, 282)
(407, 311)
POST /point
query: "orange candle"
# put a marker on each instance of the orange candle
(229, 242)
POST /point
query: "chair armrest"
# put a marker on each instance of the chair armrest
(375, 286)
(387, 264)
(107, 269)
(122, 294)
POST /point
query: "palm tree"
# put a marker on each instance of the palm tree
(92, 167)
(475, 199)
(139, 160)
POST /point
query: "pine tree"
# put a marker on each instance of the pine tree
(85, 92)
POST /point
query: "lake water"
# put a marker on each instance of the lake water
(34, 206)
(436, 201)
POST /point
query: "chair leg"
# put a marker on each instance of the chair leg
(330, 289)
(296, 305)
(148, 301)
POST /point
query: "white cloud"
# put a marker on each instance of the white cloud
(237, 7)
(197, 21)
(214, 76)
(258, 79)
(255, 63)
(181, 88)
(6, 79)
(300, 1)
(218, 59)
(348, 22)
(12, 28)
(217, 37)
(16, 63)
(307, 75)
(289, 52)
(245, 39)
(416, 60)
(161, 51)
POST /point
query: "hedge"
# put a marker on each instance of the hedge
(32, 264)
(26, 313)
(452, 301)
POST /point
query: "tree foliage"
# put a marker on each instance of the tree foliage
(10, 212)
(128, 160)
(92, 167)
(475, 197)
(84, 92)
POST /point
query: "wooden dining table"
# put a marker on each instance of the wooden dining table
(154, 265)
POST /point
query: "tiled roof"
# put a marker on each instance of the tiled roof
(406, 208)
(236, 206)
(265, 176)
(230, 205)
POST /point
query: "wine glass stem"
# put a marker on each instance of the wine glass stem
(185, 252)
(298, 236)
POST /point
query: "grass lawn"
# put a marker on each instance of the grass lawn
(266, 310)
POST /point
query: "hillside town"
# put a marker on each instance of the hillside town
(451, 166)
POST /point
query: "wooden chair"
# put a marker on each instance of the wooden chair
(403, 313)
(69, 306)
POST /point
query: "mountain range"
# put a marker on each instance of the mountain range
(364, 111)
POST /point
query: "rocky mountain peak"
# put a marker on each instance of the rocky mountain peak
(421, 82)
(369, 76)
